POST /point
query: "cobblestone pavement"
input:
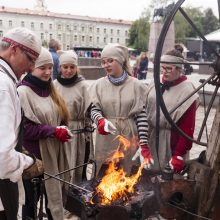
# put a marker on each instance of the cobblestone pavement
(195, 151)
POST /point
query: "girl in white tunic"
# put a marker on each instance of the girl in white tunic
(175, 87)
(45, 131)
(119, 108)
(74, 90)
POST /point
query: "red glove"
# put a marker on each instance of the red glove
(145, 152)
(101, 125)
(177, 163)
(62, 134)
(105, 127)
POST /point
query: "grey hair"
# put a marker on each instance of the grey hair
(54, 44)
(4, 45)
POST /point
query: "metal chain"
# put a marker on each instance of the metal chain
(88, 129)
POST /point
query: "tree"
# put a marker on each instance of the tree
(180, 28)
(159, 3)
(44, 43)
(139, 32)
(196, 15)
(205, 21)
(209, 21)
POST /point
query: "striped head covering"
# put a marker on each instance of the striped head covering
(173, 60)
(24, 39)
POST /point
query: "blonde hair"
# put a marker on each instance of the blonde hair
(127, 67)
(61, 105)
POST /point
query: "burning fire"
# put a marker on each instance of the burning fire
(115, 184)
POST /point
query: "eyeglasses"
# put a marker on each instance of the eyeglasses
(167, 69)
(31, 60)
(107, 62)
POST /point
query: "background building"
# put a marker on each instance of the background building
(70, 30)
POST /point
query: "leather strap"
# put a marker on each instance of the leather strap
(6, 72)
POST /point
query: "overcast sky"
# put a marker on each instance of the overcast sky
(116, 9)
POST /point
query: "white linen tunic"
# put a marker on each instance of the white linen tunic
(43, 110)
(77, 100)
(119, 104)
(12, 163)
(171, 97)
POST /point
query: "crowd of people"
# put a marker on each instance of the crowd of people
(46, 107)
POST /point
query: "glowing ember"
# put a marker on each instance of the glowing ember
(115, 184)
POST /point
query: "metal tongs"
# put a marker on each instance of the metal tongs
(88, 129)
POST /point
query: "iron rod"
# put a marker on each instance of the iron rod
(65, 171)
(71, 184)
(195, 91)
(197, 30)
(207, 112)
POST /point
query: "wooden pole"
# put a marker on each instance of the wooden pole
(209, 181)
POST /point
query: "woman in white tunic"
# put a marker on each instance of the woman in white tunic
(175, 87)
(74, 89)
(119, 108)
(45, 131)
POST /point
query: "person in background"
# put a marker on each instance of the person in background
(54, 46)
(45, 132)
(142, 66)
(118, 108)
(173, 147)
(74, 89)
(19, 48)
(188, 69)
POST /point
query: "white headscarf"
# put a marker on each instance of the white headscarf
(44, 58)
(115, 51)
(119, 53)
(68, 57)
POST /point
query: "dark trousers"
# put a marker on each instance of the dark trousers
(32, 196)
(9, 197)
(142, 75)
(2, 215)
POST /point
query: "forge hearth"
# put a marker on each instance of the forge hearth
(138, 205)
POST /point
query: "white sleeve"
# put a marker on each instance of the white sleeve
(12, 163)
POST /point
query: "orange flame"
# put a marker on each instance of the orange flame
(115, 184)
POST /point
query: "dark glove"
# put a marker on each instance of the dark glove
(106, 127)
(36, 169)
(177, 163)
(62, 134)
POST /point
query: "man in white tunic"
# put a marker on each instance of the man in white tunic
(19, 48)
